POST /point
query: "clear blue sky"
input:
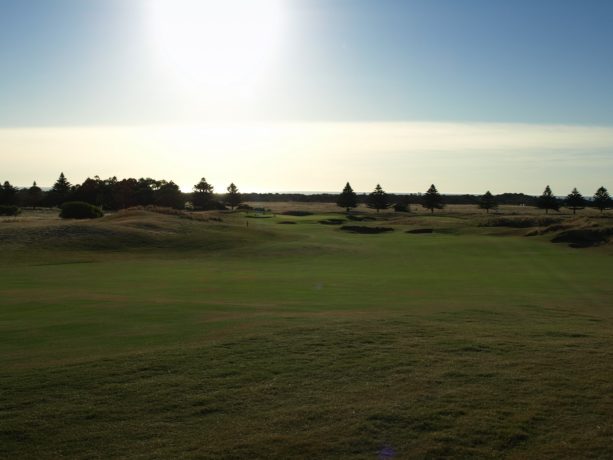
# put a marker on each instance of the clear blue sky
(75, 63)
(545, 61)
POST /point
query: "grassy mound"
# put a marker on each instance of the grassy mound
(130, 230)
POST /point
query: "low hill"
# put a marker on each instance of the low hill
(128, 230)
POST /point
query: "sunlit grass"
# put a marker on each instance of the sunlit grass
(278, 341)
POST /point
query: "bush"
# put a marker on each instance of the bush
(80, 210)
(366, 230)
(8, 210)
(401, 207)
(360, 218)
(297, 213)
(521, 222)
(584, 237)
(213, 206)
(332, 221)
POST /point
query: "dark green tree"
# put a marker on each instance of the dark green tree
(145, 190)
(347, 199)
(548, 201)
(432, 199)
(487, 202)
(91, 191)
(169, 195)
(574, 201)
(8, 194)
(60, 191)
(34, 196)
(378, 199)
(125, 193)
(602, 199)
(202, 195)
(233, 197)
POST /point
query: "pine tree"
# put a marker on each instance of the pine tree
(602, 199)
(59, 193)
(548, 201)
(34, 195)
(233, 197)
(202, 195)
(347, 199)
(488, 202)
(432, 199)
(378, 199)
(574, 201)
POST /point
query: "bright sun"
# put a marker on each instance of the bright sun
(216, 50)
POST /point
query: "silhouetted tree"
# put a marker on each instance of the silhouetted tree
(202, 195)
(347, 199)
(125, 193)
(108, 193)
(602, 199)
(548, 201)
(59, 192)
(169, 195)
(8, 194)
(378, 199)
(144, 192)
(90, 191)
(574, 201)
(488, 202)
(34, 196)
(432, 199)
(233, 197)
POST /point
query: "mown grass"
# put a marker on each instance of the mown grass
(301, 341)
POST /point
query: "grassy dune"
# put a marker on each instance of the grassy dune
(156, 336)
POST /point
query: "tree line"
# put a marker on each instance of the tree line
(432, 200)
(114, 194)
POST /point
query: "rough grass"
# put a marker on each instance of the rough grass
(300, 341)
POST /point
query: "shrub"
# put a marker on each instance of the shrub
(521, 222)
(297, 213)
(80, 210)
(360, 218)
(584, 237)
(213, 206)
(366, 230)
(9, 210)
(332, 221)
(401, 207)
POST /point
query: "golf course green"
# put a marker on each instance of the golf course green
(149, 335)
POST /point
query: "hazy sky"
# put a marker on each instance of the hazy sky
(309, 94)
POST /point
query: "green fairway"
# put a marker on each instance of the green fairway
(155, 337)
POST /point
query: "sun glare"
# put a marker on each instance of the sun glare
(217, 51)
